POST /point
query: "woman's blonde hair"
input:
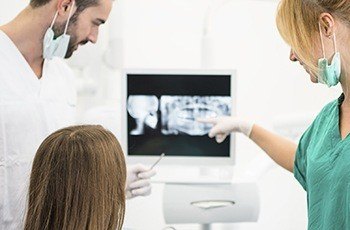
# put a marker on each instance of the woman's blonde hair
(77, 181)
(298, 24)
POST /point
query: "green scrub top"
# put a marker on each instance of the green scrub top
(322, 166)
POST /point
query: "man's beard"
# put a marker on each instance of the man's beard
(59, 30)
(71, 46)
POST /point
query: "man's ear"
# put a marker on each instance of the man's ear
(64, 7)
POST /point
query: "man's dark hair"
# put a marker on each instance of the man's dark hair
(81, 4)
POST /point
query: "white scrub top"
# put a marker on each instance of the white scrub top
(30, 109)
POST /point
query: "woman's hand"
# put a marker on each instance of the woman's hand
(223, 126)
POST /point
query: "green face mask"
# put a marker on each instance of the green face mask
(329, 74)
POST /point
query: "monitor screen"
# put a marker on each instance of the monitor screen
(162, 111)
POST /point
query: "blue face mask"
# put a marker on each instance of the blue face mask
(56, 47)
(329, 74)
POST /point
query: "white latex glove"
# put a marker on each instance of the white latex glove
(138, 180)
(223, 126)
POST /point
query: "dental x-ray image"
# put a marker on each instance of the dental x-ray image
(162, 109)
(144, 110)
(179, 113)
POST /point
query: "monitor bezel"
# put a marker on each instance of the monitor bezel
(177, 160)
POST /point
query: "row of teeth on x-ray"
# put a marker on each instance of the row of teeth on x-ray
(178, 113)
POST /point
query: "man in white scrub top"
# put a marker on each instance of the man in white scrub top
(37, 94)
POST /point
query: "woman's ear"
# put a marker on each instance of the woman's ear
(327, 24)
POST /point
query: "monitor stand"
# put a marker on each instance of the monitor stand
(176, 174)
(211, 206)
(206, 227)
(211, 227)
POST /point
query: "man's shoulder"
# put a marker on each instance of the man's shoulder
(64, 76)
(61, 63)
(62, 68)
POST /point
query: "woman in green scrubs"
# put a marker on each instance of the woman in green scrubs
(318, 32)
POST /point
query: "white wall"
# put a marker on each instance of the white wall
(9, 9)
(167, 34)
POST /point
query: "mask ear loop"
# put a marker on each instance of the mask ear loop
(54, 19)
(323, 51)
(70, 14)
(335, 43)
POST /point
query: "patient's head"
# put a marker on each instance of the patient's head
(77, 181)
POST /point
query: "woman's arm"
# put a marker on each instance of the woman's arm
(280, 149)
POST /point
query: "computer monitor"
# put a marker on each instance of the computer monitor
(159, 114)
